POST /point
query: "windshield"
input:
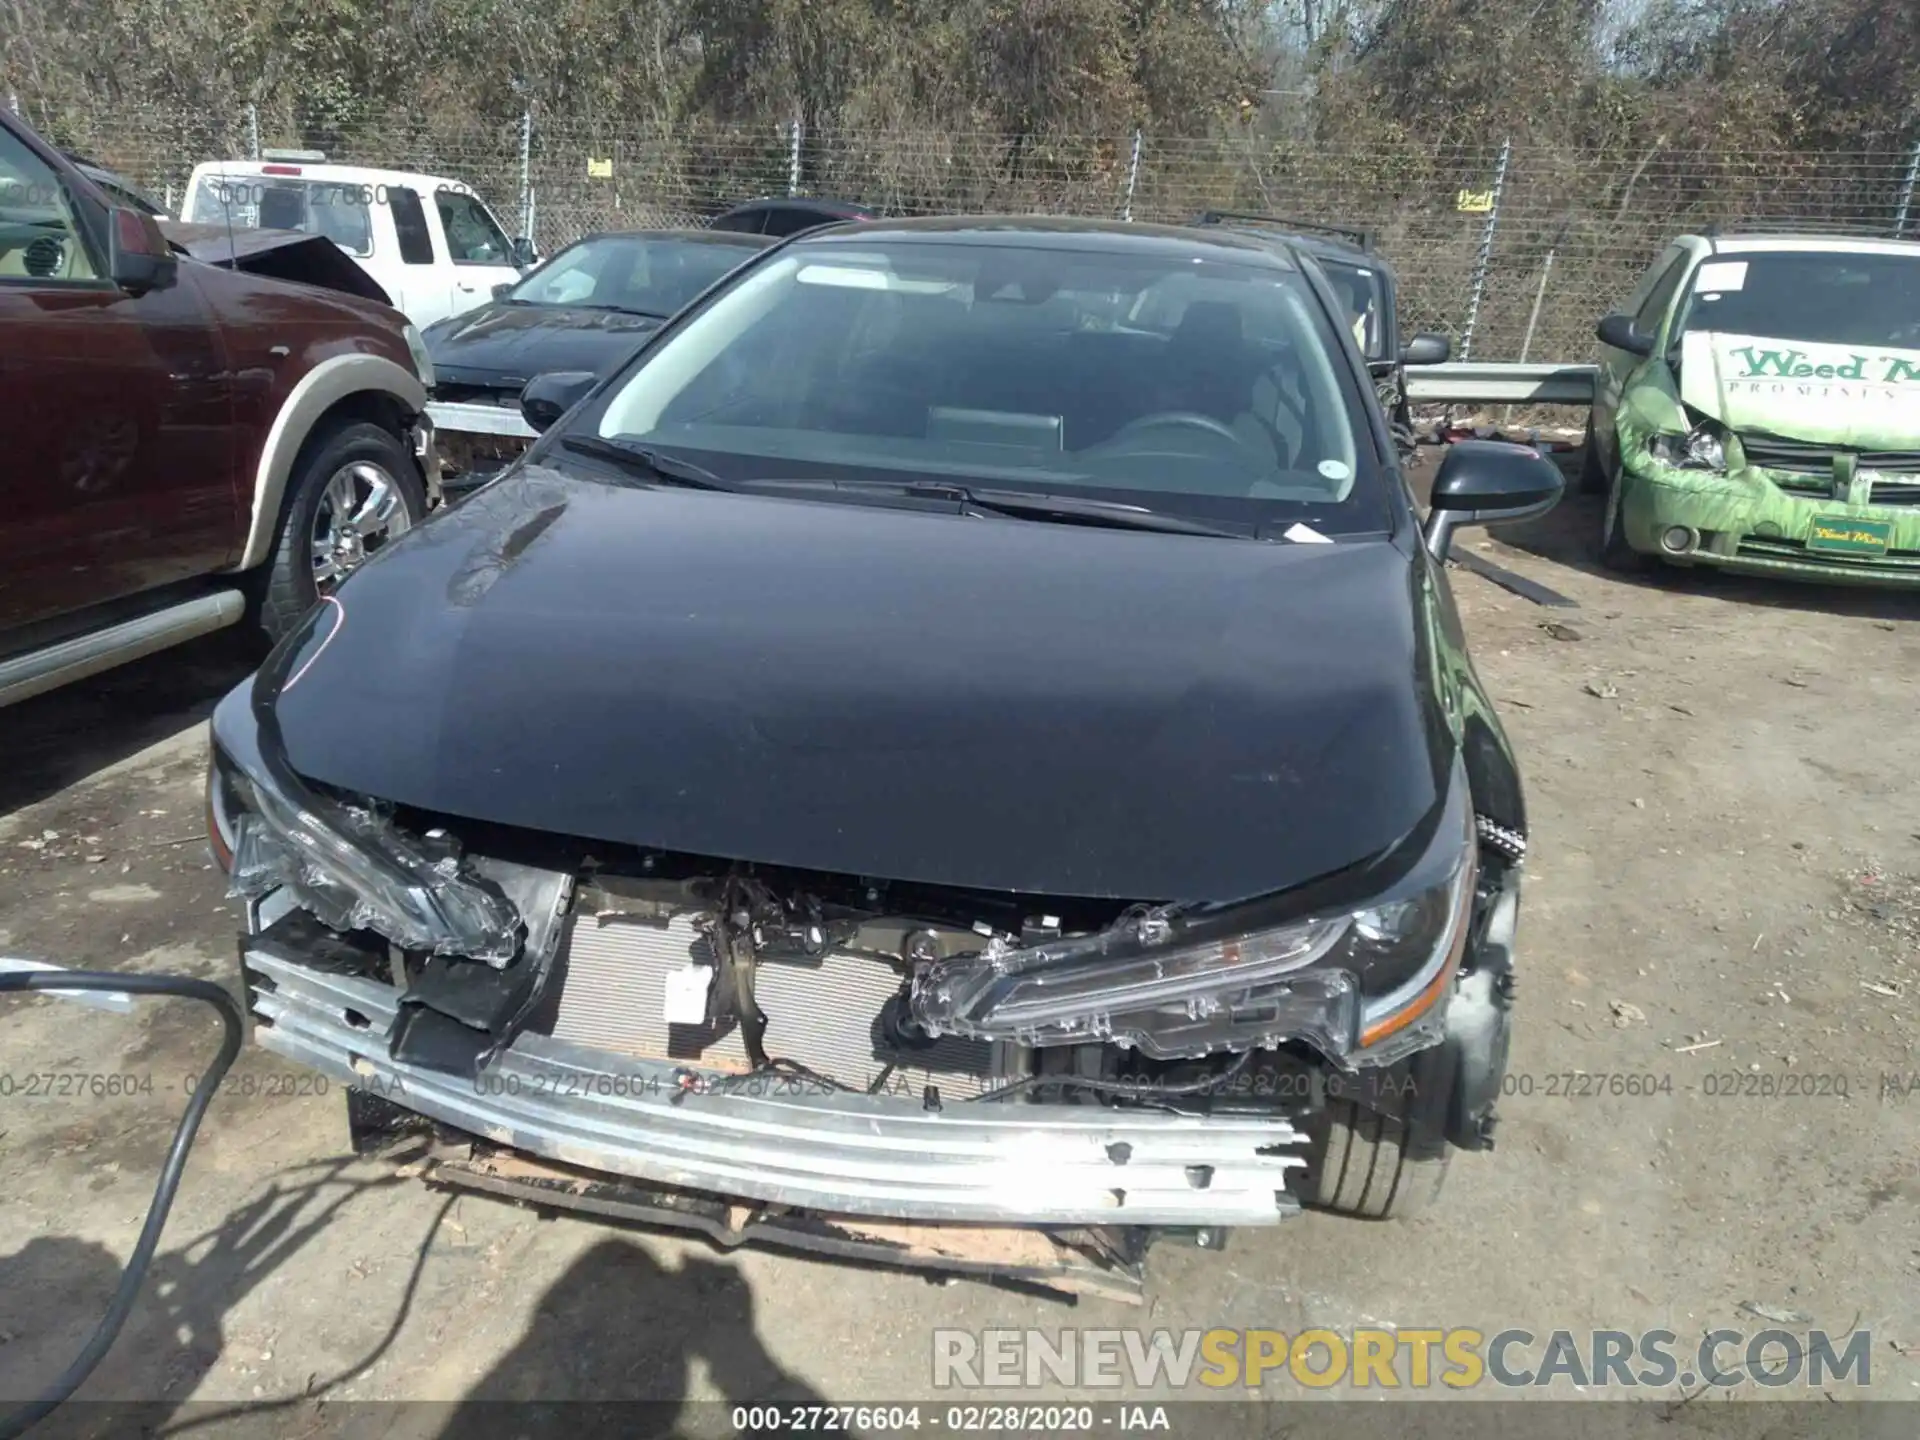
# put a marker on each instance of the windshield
(1175, 382)
(628, 272)
(40, 235)
(338, 212)
(1820, 297)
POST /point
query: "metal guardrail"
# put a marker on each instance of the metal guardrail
(480, 420)
(1474, 382)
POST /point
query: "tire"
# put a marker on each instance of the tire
(1371, 1166)
(1615, 553)
(1593, 470)
(354, 454)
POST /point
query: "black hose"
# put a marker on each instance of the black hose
(19, 1421)
(1120, 1089)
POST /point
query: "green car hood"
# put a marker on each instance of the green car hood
(1859, 398)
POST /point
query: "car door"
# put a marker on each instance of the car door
(115, 409)
(1648, 305)
(481, 254)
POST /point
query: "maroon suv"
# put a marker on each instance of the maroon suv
(185, 445)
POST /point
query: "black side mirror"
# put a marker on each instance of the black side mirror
(1621, 333)
(547, 397)
(522, 252)
(1426, 348)
(138, 256)
(1489, 482)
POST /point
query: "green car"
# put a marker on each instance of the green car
(1758, 409)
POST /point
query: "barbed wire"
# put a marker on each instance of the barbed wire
(1572, 232)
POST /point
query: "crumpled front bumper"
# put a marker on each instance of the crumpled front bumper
(786, 1142)
(1749, 524)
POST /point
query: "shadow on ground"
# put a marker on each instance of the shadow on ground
(66, 735)
(617, 1328)
(1569, 536)
(54, 1289)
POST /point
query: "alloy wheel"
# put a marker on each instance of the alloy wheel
(360, 510)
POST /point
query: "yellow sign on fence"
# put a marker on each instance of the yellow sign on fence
(1474, 202)
(600, 169)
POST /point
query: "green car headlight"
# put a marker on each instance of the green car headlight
(1702, 448)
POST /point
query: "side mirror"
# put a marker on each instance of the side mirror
(1426, 348)
(1489, 482)
(547, 397)
(500, 290)
(138, 256)
(1621, 333)
(522, 252)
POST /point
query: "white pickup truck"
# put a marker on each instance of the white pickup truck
(430, 242)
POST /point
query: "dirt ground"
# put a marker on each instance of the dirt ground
(1722, 898)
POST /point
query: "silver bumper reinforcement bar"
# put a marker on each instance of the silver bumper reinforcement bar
(851, 1154)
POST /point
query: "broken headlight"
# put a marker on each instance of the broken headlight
(1340, 982)
(348, 864)
(1702, 448)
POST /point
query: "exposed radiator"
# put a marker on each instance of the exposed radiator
(820, 1014)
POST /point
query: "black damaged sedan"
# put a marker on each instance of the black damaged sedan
(963, 735)
(587, 308)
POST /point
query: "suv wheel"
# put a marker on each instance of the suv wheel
(354, 490)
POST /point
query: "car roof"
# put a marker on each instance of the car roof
(339, 174)
(101, 175)
(1321, 247)
(1747, 242)
(1050, 232)
(806, 204)
(738, 239)
(1334, 242)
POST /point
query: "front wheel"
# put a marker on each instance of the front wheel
(1615, 552)
(1372, 1166)
(354, 490)
(1593, 469)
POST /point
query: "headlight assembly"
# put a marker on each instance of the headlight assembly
(1701, 448)
(1341, 982)
(347, 864)
(422, 358)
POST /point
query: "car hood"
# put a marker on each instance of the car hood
(278, 254)
(1862, 397)
(979, 703)
(505, 346)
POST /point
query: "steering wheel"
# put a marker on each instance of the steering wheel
(1169, 419)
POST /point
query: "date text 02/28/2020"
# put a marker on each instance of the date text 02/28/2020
(959, 1419)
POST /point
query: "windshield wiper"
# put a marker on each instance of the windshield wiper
(650, 464)
(1029, 505)
(620, 310)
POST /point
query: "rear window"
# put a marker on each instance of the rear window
(332, 209)
(410, 225)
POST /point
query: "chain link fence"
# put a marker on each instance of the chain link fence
(1514, 250)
